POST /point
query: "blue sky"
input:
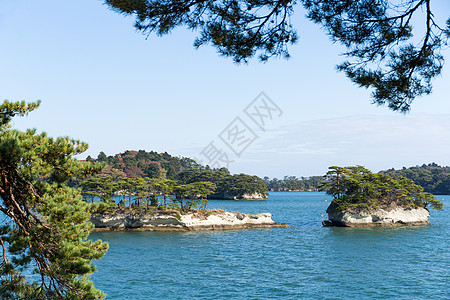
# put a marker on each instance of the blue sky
(104, 83)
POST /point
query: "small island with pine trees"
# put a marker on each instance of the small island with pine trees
(366, 199)
(162, 205)
(139, 190)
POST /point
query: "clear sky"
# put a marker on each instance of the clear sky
(102, 82)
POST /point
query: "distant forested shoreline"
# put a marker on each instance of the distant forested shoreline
(433, 178)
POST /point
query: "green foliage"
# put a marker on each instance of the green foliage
(139, 191)
(101, 156)
(166, 188)
(154, 170)
(358, 188)
(240, 184)
(10, 109)
(48, 226)
(195, 193)
(432, 177)
(228, 185)
(378, 36)
(153, 200)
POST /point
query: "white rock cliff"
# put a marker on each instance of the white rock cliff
(398, 216)
(162, 222)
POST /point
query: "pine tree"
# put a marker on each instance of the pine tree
(384, 50)
(47, 227)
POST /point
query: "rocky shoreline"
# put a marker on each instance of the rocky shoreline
(398, 216)
(216, 220)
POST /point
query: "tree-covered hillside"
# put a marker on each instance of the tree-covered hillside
(432, 177)
(139, 164)
(182, 170)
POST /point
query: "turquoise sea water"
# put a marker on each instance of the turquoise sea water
(305, 261)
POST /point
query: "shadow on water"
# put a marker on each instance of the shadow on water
(351, 231)
(304, 224)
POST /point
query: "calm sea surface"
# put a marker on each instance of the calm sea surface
(305, 261)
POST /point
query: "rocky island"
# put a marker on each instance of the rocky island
(365, 199)
(378, 217)
(159, 204)
(132, 220)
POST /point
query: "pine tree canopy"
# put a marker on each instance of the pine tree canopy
(382, 52)
(357, 187)
(44, 230)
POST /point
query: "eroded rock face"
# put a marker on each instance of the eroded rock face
(160, 222)
(128, 220)
(379, 218)
(254, 196)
